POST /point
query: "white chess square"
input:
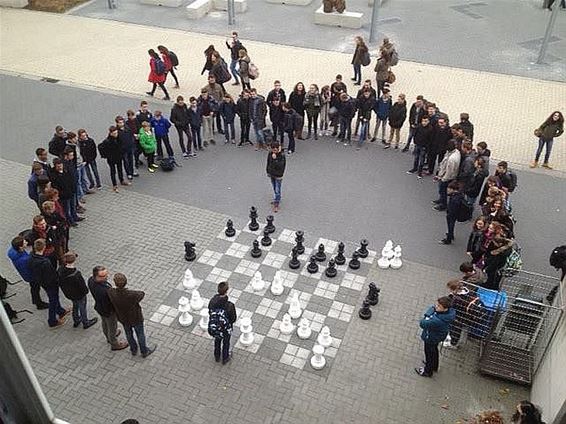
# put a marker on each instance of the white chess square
(218, 275)
(353, 281)
(332, 350)
(269, 307)
(326, 290)
(222, 235)
(167, 320)
(242, 313)
(370, 257)
(163, 309)
(303, 298)
(237, 250)
(234, 295)
(295, 356)
(275, 260)
(209, 257)
(304, 258)
(330, 246)
(315, 319)
(254, 347)
(287, 236)
(156, 317)
(246, 267)
(275, 333)
(289, 278)
(341, 311)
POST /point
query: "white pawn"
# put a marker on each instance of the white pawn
(287, 326)
(257, 282)
(203, 323)
(247, 336)
(318, 361)
(396, 262)
(189, 281)
(277, 285)
(196, 301)
(304, 329)
(185, 319)
(324, 338)
(295, 310)
(386, 255)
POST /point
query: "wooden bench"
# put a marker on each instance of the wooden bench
(240, 6)
(166, 3)
(198, 8)
(345, 19)
(291, 2)
(19, 4)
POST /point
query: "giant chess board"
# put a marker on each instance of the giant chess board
(325, 301)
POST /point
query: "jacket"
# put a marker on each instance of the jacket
(153, 76)
(64, 182)
(227, 111)
(290, 120)
(415, 115)
(258, 110)
(436, 325)
(423, 136)
(235, 48)
(275, 167)
(215, 91)
(126, 139)
(87, 148)
(279, 94)
(276, 115)
(450, 165)
(127, 305)
(99, 292)
(397, 115)
(195, 116)
(142, 117)
(381, 69)
(467, 129)
(297, 101)
(467, 170)
(372, 93)
(475, 241)
(455, 201)
(147, 142)
(113, 149)
(20, 260)
(207, 106)
(43, 272)
(57, 145)
(180, 116)
(160, 126)
(33, 192)
(243, 109)
(475, 183)
(365, 106)
(346, 109)
(72, 283)
(244, 69)
(382, 107)
(440, 137)
(359, 54)
(312, 103)
(222, 302)
(549, 131)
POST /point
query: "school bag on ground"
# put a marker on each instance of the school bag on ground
(223, 73)
(218, 323)
(366, 59)
(167, 164)
(253, 71)
(159, 67)
(174, 59)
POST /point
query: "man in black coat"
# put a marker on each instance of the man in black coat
(455, 202)
(98, 285)
(58, 142)
(219, 305)
(63, 181)
(440, 136)
(243, 111)
(181, 118)
(275, 169)
(415, 114)
(74, 288)
(46, 275)
(422, 137)
(111, 150)
(128, 142)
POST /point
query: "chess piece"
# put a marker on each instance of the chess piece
(286, 326)
(265, 240)
(253, 225)
(185, 319)
(355, 261)
(246, 330)
(257, 282)
(320, 256)
(312, 267)
(230, 231)
(299, 239)
(277, 284)
(386, 255)
(340, 259)
(318, 361)
(190, 254)
(295, 310)
(189, 282)
(396, 261)
(365, 311)
(304, 329)
(197, 303)
(269, 227)
(294, 263)
(203, 323)
(363, 250)
(324, 338)
(373, 294)
(331, 270)
(256, 251)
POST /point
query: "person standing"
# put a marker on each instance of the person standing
(20, 259)
(312, 104)
(381, 72)
(208, 107)
(227, 110)
(99, 286)
(74, 288)
(210, 50)
(181, 119)
(127, 140)
(111, 150)
(440, 136)
(447, 172)
(336, 89)
(415, 114)
(290, 119)
(551, 128)
(222, 316)
(325, 96)
(359, 54)
(346, 111)
(157, 74)
(66, 184)
(126, 303)
(46, 275)
(275, 169)
(243, 111)
(195, 119)
(33, 190)
(58, 142)
(455, 203)
(258, 110)
(276, 93)
(435, 325)
(297, 101)
(277, 117)
(216, 91)
(160, 125)
(467, 126)
(235, 46)
(365, 105)
(382, 107)
(397, 116)
(244, 69)
(170, 60)
(148, 145)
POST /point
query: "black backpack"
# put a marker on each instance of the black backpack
(218, 324)
(465, 211)
(4, 287)
(103, 150)
(174, 59)
(13, 314)
(223, 73)
(168, 164)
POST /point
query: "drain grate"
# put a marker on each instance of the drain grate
(51, 80)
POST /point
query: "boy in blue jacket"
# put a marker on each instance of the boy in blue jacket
(161, 125)
(382, 107)
(435, 324)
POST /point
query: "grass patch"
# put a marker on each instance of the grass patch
(55, 6)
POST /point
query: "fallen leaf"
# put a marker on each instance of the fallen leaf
(444, 406)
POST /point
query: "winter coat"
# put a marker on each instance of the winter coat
(244, 69)
(436, 325)
(57, 228)
(290, 119)
(216, 70)
(382, 107)
(423, 136)
(180, 116)
(127, 305)
(243, 109)
(160, 126)
(64, 182)
(222, 302)
(346, 109)
(87, 149)
(297, 101)
(450, 165)
(195, 117)
(372, 93)
(57, 145)
(126, 139)
(359, 53)
(208, 63)
(99, 291)
(154, 77)
(234, 48)
(276, 115)
(335, 90)
(475, 241)
(275, 167)
(467, 170)
(20, 260)
(142, 117)
(258, 110)
(549, 131)
(33, 192)
(167, 62)
(365, 107)
(415, 115)
(467, 129)
(397, 115)
(454, 204)
(43, 272)
(474, 186)
(208, 106)
(381, 69)
(147, 142)
(312, 103)
(227, 111)
(440, 137)
(72, 283)
(113, 149)
(215, 91)
(272, 95)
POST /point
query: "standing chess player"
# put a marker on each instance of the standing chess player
(275, 170)
(222, 316)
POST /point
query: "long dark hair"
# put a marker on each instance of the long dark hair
(163, 50)
(549, 120)
(296, 88)
(209, 50)
(153, 54)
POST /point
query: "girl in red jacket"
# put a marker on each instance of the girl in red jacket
(157, 74)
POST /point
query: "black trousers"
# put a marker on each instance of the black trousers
(34, 289)
(278, 130)
(431, 358)
(225, 343)
(245, 130)
(182, 131)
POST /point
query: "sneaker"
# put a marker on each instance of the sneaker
(59, 323)
(439, 208)
(547, 166)
(76, 324)
(149, 169)
(435, 202)
(66, 313)
(449, 345)
(149, 351)
(533, 164)
(226, 142)
(90, 323)
(155, 166)
(213, 141)
(186, 155)
(205, 144)
(217, 358)
(396, 147)
(99, 187)
(134, 352)
(130, 177)
(338, 140)
(411, 171)
(120, 346)
(444, 241)
(225, 361)
(115, 189)
(372, 140)
(334, 134)
(420, 371)
(346, 143)
(419, 177)
(405, 149)
(387, 146)
(125, 183)
(194, 155)
(149, 93)
(166, 98)
(383, 141)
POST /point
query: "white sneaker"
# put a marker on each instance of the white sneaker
(449, 345)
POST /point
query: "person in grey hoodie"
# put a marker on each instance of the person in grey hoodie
(447, 172)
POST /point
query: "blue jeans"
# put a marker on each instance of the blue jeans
(258, 134)
(358, 73)
(450, 221)
(197, 140)
(233, 70)
(55, 308)
(420, 153)
(140, 334)
(70, 207)
(442, 193)
(291, 146)
(79, 311)
(276, 183)
(345, 128)
(541, 144)
(364, 129)
(229, 130)
(91, 166)
(128, 159)
(225, 343)
(82, 183)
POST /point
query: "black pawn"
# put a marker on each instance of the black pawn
(355, 261)
(365, 311)
(373, 294)
(320, 255)
(363, 250)
(294, 263)
(256, 251)
(190, 254)
(312, 267)
(230, 232)
(331, 270)
(299, 238)
(265, 240)
(270, 228)
(340, 259)
(253, 226)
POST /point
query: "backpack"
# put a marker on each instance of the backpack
(13, 314)
(168, 164)
(366, 59)
(394, 58)
(558, 257)
(103, 150)
(253, 71)
(223, 73)
(514, 262)
(159, 67)
(218, 323)
(513, 181)
(174, 59)
(4, 287)
(53, 148)
(465, 211)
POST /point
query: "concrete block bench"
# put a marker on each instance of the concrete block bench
(345, 19)
(198, 8)
(240, 6)
(166, 3)
(291, 2)
(19, 4)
